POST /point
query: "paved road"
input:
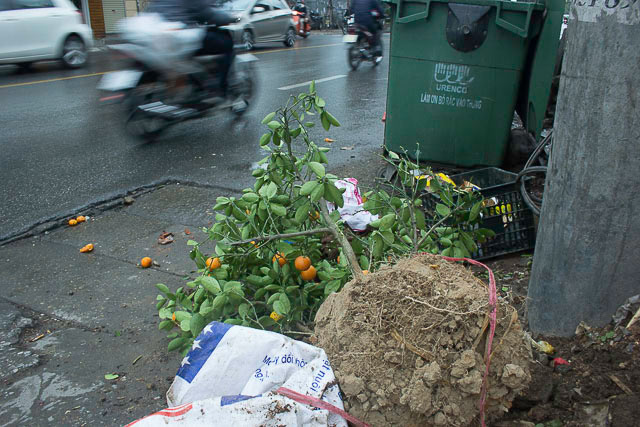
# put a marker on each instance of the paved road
(62, 151)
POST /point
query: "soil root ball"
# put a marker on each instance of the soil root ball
(408, 345)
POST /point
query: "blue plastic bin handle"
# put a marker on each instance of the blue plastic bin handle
(522, 32)
(415, 16)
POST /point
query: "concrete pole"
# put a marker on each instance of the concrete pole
(587, 257)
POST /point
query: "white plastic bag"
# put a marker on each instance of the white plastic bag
(231, 375)
(353, 212)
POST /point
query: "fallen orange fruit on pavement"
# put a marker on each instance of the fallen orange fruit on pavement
(329, 140)
(145, 262)
(87, 248)
(81, 218)
(73, 222)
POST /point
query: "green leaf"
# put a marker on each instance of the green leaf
(264, 139)
(378, 245)
(165, 325)
(219, 301)
(475, 211)
(268, 118)
(285, 303)
(317, 193)
(111, 376)
(445, 242)
(192, 243)
(273, 125)
(277, 209)
(302, 213)
(320, 102)
(386, 222)
(421, 223)
(312, 86)
(243, 310)
(326, 124)
(274, 298)
(277, 307)
(442, 209)
(393, 155)
(233, 322)
(333, 194)
(505, 289)
(210, 284)
(176, 344)
(317, 168)
(197, 323)
(308, 187)
(250, 197)
(272, 190)
(162, 288)
(332, 119)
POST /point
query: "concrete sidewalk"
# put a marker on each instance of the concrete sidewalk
(68, 318)
(96, 311)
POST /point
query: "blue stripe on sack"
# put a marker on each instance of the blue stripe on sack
(203, 346)
(230, 400)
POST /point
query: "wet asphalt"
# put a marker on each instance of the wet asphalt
(62, 151)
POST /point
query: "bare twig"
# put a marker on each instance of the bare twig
(620, 384)
(422, 353)
(283, 236)
(433, 228)
(441, 310)
(634, 319)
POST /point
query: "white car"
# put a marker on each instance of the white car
(35, 30)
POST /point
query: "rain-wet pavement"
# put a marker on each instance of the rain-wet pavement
(71, 318)
(62, 151)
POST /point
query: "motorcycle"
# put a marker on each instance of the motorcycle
(163, 83)
(302, 24)
(360, 40)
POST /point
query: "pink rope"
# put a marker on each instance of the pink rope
(319, 403)
(493, 305)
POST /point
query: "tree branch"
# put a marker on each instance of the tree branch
(283, 236)
(344, 242)
(431, 230)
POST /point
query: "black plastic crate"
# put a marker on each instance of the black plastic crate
(508, 217)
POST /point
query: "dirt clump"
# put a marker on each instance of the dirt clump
(408, 344)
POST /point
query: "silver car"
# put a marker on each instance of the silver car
(260, 21)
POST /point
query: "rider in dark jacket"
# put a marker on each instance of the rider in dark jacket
(200, 12)
(363, 11)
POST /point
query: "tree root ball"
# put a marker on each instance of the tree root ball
(408, 345)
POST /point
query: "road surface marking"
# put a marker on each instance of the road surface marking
(105, 72)
(53, 80)
(289, 49)
(326, 79)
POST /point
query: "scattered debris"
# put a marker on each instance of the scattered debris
(128, 200)
(348, 148)
(37, 338)
(187, 231)
(165, 238)
(630, 306)
(620, 384)
(136, 360)
(87, 248)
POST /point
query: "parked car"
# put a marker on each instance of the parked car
(260, 21)
(35, 30)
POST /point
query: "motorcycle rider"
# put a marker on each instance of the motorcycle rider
(215, 42)
(367, 13)
(301, 7)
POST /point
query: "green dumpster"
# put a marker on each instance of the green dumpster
(458, 70)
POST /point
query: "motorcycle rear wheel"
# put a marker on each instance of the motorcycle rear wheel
(139, 124)
(354, 57)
